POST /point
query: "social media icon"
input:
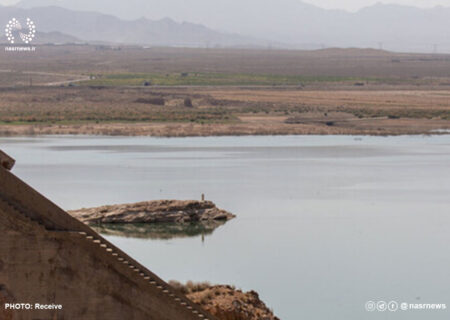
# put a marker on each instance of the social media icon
(382, 306)
(393, 306)
(370, 306)
(404, 306)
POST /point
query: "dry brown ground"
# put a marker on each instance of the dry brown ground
(354, 98)
(222, 111)
(330, 62)
(366, 127)
(411, 95)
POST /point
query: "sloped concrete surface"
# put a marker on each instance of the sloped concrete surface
(48, 257)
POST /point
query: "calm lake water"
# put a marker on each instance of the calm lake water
(325, 223)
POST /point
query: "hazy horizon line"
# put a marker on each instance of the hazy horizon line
(348, 10)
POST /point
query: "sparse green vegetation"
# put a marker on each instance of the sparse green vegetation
(400, 113)
(213, 79)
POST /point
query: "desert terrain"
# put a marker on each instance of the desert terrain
(105, 90)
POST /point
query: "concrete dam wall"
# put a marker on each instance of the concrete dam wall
(50, 259)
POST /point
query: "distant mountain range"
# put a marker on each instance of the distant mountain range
(92, 27)
(280, 23)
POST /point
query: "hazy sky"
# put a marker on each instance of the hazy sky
(350, 5)
(353, 5)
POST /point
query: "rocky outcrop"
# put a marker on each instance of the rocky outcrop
(154, 211)
(226, 302)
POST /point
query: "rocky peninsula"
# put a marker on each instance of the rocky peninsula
(157, 211)
(226, 302)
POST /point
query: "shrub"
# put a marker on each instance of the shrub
(154, 101)
(188, 103)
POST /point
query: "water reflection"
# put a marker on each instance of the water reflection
(340, 220)
(163, 231)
